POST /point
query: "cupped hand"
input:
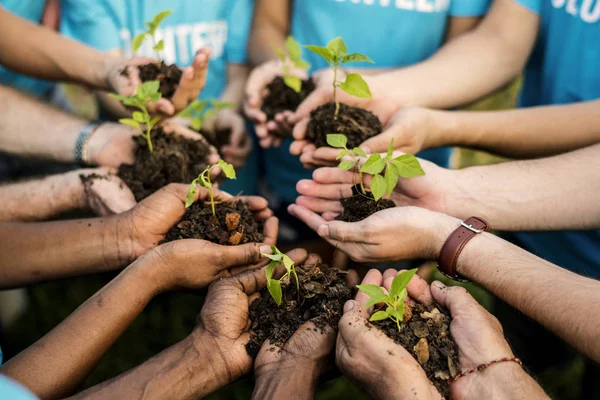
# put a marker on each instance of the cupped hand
(240, 144)
(104, 192)
(374, 361)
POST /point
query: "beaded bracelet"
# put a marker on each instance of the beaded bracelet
(483, 366)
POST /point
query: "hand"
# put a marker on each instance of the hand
(192, 81)
(106, 193)
(240, 145)
(374, 361)
(256, 91)
(223, 325)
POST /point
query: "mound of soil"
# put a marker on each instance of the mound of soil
(168, 75)
(175, 159)
(323, 292)
(220, 138)
(357, 124)
(361, 206)
(233, 224)
(426, 336)
(281, 97)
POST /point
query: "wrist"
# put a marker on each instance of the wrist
(71, 192)
(287, 380)
(490, 382)
(442, 129)
(438, 232)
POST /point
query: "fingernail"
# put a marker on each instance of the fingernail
(266, 249)
(323, 230)
(438, 284)
(349, 305)
(291, 209)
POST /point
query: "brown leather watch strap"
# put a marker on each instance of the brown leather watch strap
(456, 242)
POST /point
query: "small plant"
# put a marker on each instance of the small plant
(404, 166)
(394, 301)
(336, 55)
(293, 58)
(200, 110)
(204, 180)
(146, 93)
(152, 26)
(274, 285)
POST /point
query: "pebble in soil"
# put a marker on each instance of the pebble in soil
(281, 97)
(175, 159)
(323, 292)
(360, 206)
(168, 75)
(233, 224)
(426, 336)
(357, 124)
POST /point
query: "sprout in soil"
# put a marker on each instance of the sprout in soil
(336, 54)
(200, 110)
(146, 93)
(204, 180)
(293, 58)
(274, 285)
(152, 26)
(404, 166)
(394, 301)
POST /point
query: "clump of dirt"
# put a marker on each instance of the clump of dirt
(323, 292)
(168, 75)
(281, 97)
(426, 336)
(217, 138)
(360, 206)
(357, 124)
(175, 159)
(233, 224)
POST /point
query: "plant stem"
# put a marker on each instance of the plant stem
(297, 282)
(149, 140)
(157, 52)
(362, 185)
(337, 105)
(210, 191)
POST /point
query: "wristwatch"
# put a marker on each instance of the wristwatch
(81, 155)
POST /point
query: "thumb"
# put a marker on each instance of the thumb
(454, 298)
(245, 254)
(342, 231)
(354, 321)
(379, 143)
(314, 100)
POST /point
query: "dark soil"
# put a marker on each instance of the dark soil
(220, 138)
(357, 124)
(361, 206)
(281, 97)
(323, 292)
(168, 75)
(176, 159)
(426, 336)
(234, 224)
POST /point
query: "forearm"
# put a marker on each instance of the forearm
(293, 382)
(269, 30)
(38, 252)
(236, 82)
(546, 194)
(57, 364)
(33, 50)
(524, 133)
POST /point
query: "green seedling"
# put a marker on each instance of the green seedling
(292, 58)
(394, 301)
(274, 285)
(200, 110)
(404, 166)
(336, 55)
(157, 46)
(146, 93)
(204, 180)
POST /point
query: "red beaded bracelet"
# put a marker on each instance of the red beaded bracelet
(481, 367)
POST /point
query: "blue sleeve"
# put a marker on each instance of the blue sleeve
(12, 390)
(239, 24)
(531, 5)
(469, 8)
(95, 23)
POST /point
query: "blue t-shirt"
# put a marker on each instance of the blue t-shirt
(12, 390)
(564, 68)
(31, 10)
(394, 33)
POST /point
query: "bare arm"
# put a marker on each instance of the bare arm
(236, 81)
(270, 27)
(459, 25)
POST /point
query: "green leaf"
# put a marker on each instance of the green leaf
(133, 102)
(390, 151)
(301, 64)
(356, 86)
(342, 154)
(280, 54)
(346, 165)
(408, 166)
(371, 290)
(220, 105)
(359, 151)
(401, 280)
(138, 116)
(391, 178)
(356, 57)
(403, 295)
(203, 182)
(197, 124)
(287, 262)
(227, 169)
(293, 48)
(130, 122)
(270, 269)
(379, 316)
(337, 140)
(374, 300)
(137, 41)
(118, 97)
(155, 96)
(293, 82)
(160, 46)
(274, 287)
(274, 257)
(374, 165)
(338, 47)
(378, 187)
(148, 88)
(191, 194)
(322, 51)
(396, 313)
(158, 18)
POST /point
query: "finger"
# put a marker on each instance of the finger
(311, 188)
(299, 132)
(314, 100)
(342, 231)
(326, 154)
(352, 278)
(313, 220)
(319, 205)
(330, 216)
(313, 259)
(378, 143)
(334, 175)
(373, 277)
(238, 133)
(256, 203)
(419, 289)
(272, 127)
(454, 298)
(297, 146)
(200, 65)
(389, 273)
(271, 230)
(254, 114)
(245, 254)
